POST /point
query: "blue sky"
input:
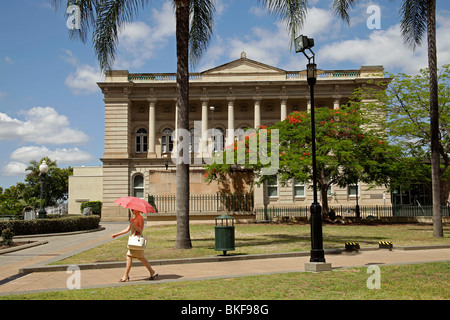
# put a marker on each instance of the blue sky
(51, 106)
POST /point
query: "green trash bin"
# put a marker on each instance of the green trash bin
(224, 233)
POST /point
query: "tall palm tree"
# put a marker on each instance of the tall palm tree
(418, 16)
(194, 25)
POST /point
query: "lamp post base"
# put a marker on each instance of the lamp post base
(317, 266)
(42, 214)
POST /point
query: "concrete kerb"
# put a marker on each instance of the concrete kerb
(218, 258)
(41, 242)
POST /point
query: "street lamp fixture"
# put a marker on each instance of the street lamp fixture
(43, 169)
(302, 43)
(317, 254)
(212, 108)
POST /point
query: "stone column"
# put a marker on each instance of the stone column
(257, 106)
(151, 128)
(203, 140)
(336, 102)
(283, 106)
(175, 140)
(230, 128)
(308, 104)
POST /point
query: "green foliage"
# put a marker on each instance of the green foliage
(15, 199)
(56, 225)
(406, 103)
(56, 181)
(350, 147)
(7, 237)
(96, 206)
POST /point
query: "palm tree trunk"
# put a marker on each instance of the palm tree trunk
(434, 119)
(183, 240)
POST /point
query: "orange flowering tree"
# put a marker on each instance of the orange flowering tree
(350, 147)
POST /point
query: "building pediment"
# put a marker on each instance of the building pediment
(243, 69)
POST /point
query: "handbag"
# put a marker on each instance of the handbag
(137, 242)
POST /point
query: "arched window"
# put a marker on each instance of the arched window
(141, 140)
(138, 186)
(166, 141)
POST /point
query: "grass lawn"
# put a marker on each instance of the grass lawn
(262, 238)
(428, 281)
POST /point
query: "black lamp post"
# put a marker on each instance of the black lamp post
(43, 168)
(317, 254)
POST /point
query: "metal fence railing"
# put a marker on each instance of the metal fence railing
(206, 203)
(366, 212)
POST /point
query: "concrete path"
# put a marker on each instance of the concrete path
(26, 271)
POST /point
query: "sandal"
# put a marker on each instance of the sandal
(154, 277)
(124, 280)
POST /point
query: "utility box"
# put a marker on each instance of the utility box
(224, 234)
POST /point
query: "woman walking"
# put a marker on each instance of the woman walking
(136, 227)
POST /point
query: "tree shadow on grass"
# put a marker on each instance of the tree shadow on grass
(283, 239)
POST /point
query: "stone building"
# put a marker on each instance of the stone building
(140, 116)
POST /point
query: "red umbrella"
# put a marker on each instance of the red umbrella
(135, 203)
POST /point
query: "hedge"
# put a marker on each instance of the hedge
(42, 226)
(96, 206)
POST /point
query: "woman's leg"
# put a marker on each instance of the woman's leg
(148, 266)
(128, 268)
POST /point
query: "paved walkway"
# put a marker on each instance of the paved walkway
(23, 271)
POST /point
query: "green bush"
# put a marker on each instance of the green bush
(7, 237)
(96, 206)
(42, 226)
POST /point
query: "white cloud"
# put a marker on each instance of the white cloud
(9, 60)
(319, 22)
(443, 38)
(61, 155)
(21, 157)
(139, 42)
(258, 11)
(383, 47)
(42, 125)
(84, 80)
(14, 168)
(387, 48)
(262, 44)
(269, 45)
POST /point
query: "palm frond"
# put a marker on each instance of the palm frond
(342, 7)
(87, 10)
(413, 21)
(201, 28)
(111, 16)
(291, 12)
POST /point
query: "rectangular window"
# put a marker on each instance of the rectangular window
(138, 144)
(167, 144)
(299, 189)
(353, 190)
(272, 187)
(144, 145)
